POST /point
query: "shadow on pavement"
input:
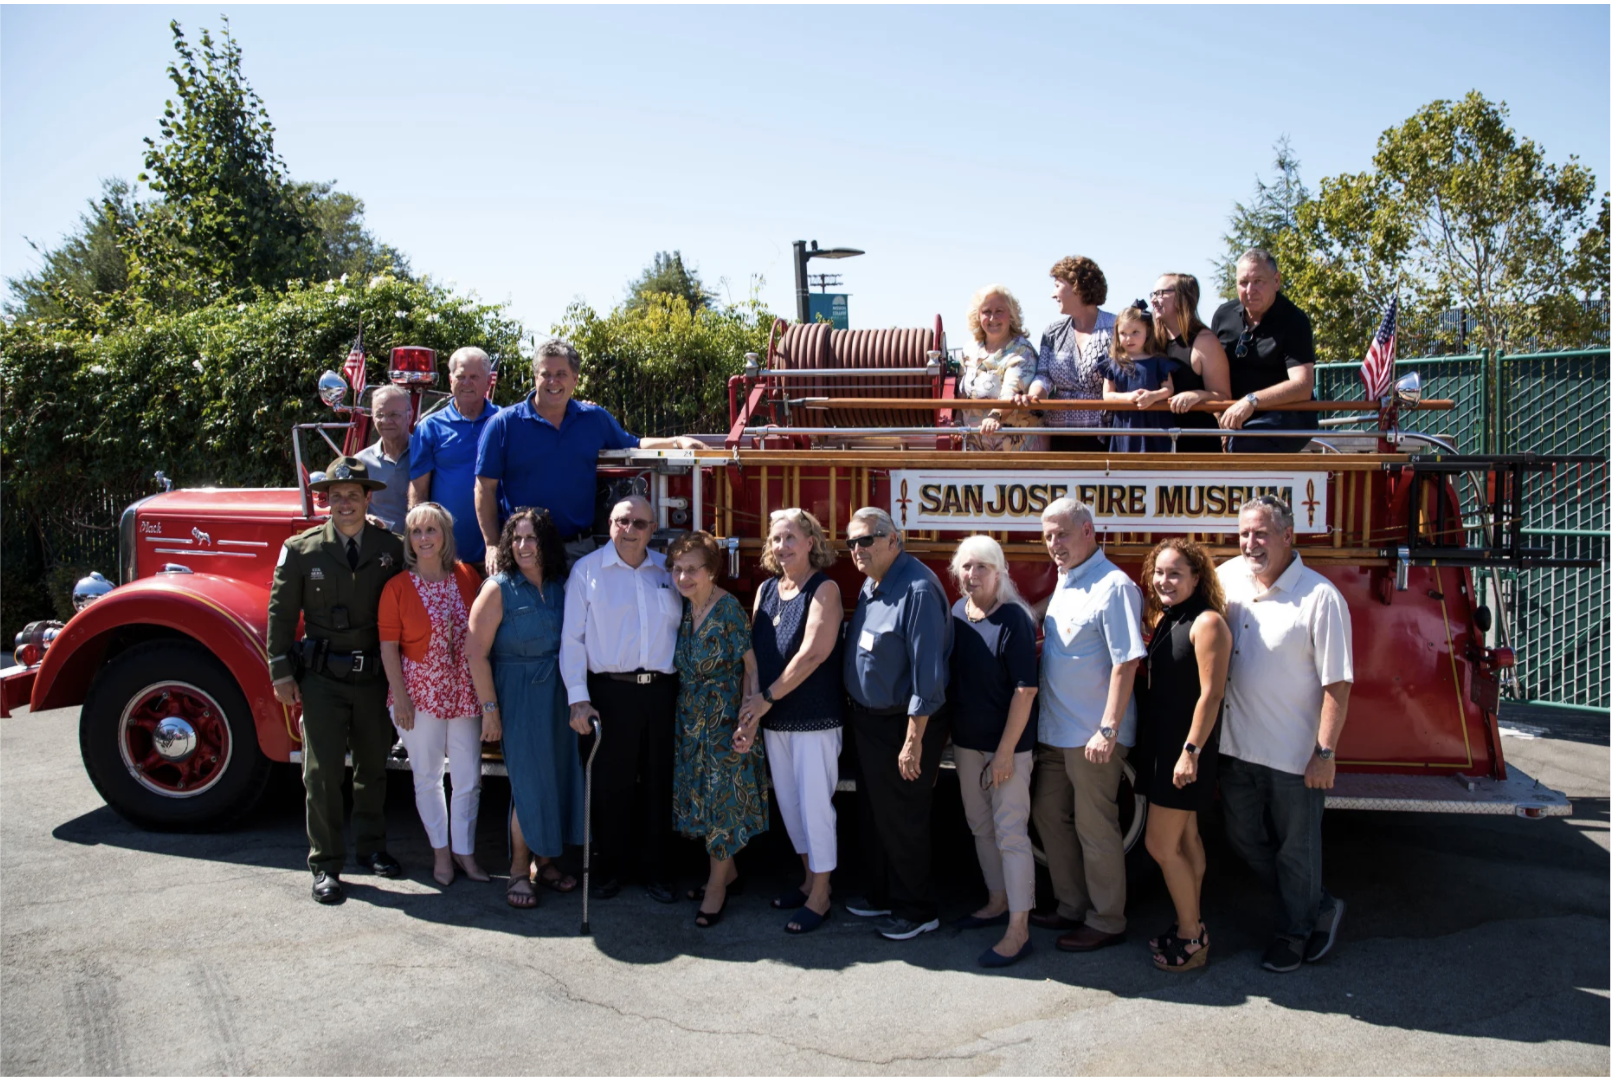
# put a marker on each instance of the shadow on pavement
(1450, 919)
(1556, 722)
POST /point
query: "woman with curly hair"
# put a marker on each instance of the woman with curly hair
(796, 634)
(718, 794)
(515, 645)
(1075, 349)
(1179, 703)
(999, 365)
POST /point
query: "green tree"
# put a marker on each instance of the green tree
(346, 245)
(89, 261)
(1272, 211)
(668, 276)
(229, 219)
(1458, 212)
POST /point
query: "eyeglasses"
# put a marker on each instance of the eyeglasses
(1243, 345)
(1161, 294)
(631, 523)
(856, 542)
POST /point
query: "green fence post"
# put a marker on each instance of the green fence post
(1498, 439)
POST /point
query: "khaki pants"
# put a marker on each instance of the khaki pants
(997, 819)
(1074, 809)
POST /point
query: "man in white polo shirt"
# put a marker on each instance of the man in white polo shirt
(1289, 679)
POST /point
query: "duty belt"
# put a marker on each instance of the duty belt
(316, 655)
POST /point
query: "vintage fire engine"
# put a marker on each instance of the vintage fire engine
(179, 725)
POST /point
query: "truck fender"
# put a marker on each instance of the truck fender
(226, 616)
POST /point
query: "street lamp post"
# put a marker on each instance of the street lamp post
(803, 253)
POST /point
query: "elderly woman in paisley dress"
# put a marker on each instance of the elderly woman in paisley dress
(999, 365)
(718, 792)
(1074, 352)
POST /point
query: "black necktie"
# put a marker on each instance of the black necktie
(353, 553)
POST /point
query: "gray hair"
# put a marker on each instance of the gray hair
(1074, 511)
(1277, 509)
(469, 352)
(984, 549)
(879, 522)
(1261, 255)
(557, 347)
(384, 392)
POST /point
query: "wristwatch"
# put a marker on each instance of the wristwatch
(1324, 754)
(767, 696)
(1252, 399)
(490, 706)
(1192, 748)
(1108, 732)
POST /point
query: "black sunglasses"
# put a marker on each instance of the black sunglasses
(856, 542)
(1242, 346)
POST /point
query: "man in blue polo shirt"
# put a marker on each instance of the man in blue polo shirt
(443, 450)
(542, 452)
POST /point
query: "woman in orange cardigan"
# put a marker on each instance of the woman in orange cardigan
(423, 620)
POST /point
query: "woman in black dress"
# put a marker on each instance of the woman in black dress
(1179, 704)
(1201, 367)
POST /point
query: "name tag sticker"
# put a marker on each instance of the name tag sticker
(866, 641)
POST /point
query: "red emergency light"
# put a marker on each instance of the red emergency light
(1502, 657)
(413, 365)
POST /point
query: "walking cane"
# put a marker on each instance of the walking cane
(588, 798)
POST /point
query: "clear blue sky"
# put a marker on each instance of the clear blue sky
(537, 155)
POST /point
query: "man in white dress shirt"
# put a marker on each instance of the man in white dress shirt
(1289, 679)
(622, 621)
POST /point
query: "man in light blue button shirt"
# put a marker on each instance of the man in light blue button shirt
(1092, 642)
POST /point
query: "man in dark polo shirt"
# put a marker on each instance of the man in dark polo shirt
(1270, 356)
(895, 667)
(541, 452)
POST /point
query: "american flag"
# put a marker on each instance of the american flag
(354, 368)
(1381, 356)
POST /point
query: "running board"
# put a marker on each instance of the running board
(1518, 796)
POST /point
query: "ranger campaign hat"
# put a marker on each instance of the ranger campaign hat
(346, 470)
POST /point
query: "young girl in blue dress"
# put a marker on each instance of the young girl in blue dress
(1134, 380)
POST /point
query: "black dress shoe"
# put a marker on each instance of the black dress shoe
(660, 891)
(381, 864)
(327, 889)
(606, 889)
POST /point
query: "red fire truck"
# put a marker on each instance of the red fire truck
(179, 725)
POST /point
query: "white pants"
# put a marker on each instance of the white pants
(460, 738)
(804, 771)
(998, 819)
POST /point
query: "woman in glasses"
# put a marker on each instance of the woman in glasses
(718, 793)
(515, 647)
(796, 634)
(1201, 367)
(993, 690)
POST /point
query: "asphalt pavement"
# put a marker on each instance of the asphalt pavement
(1475, 945)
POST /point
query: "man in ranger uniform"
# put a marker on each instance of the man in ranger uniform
(332, 576)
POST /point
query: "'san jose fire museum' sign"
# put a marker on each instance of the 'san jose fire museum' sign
(1122, 501)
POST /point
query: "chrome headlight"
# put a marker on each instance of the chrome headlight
(89, 590)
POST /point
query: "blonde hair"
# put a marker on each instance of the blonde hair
(973, 316)
(984, 549)
(445, 525)
(820, 553)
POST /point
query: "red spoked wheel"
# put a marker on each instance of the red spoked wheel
(174, 739)
(168, 740)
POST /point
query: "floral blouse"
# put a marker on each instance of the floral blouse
(441, 684)
(1067, 373)
(997, 375)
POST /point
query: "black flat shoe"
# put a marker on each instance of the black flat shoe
(327, 889)
(606, 889)
(660, 892)
(381, 864)
(976, 922)
(708, 919)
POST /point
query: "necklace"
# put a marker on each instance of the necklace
(697, 614)
(983, 614)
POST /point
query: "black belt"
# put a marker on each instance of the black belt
(642, 678)
(881, 713)
(316, 656)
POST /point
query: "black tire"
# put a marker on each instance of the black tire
(226, 771)
(1134, 812)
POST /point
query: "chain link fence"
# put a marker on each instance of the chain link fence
(1545, 403)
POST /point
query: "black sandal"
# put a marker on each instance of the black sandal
(708, 919)
(736, 887)
(1176, 955)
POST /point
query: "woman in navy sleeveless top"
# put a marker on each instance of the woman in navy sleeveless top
(796, 636)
